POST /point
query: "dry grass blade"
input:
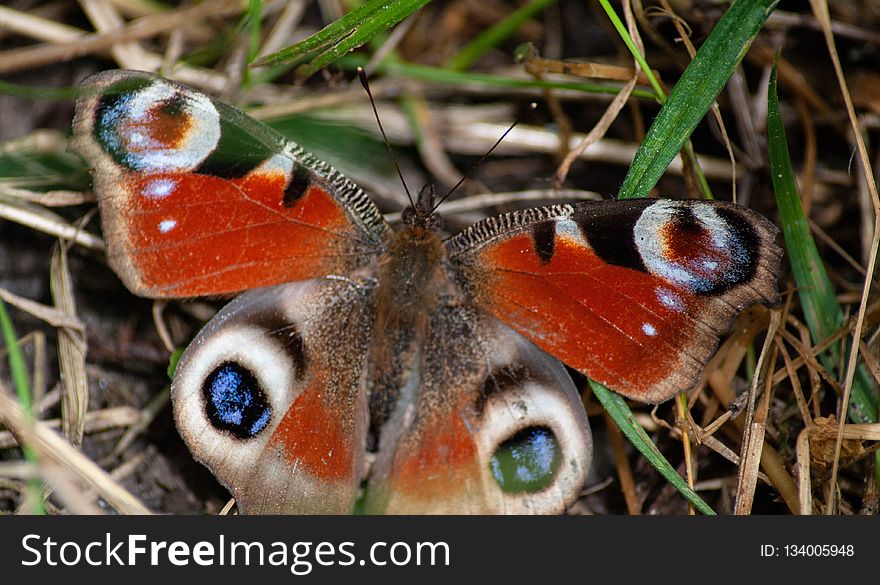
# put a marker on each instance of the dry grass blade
(597, 132)
(791, 78)
(129, 54)
(48, 222)
(805, 487)
(756, 421)
(144, 418)
(871, 361)
(827, 430)
(428, 141)
(474, 139)
(36, 27)
(705, 438)
(716, 109)
(283, 28)
(53, 448)
(536, 64)
(47, 198)
(227, 509)
(146, 27)
(795, 382)
(51, 315)
(820, 10)
(624, 469)
(683, 420)
(95, 422)
(67, 492)
(71, 352)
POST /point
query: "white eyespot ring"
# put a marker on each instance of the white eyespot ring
(128, 125)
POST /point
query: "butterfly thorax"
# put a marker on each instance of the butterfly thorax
(410, 278)
(410, 271)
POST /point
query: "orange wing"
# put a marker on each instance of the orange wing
(197, 198)
(495, 427)
(632, 293)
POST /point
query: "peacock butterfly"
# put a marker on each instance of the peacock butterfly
(364, 354)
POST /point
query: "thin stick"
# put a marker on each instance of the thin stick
(146, 27)
(52, 447)
(755, 424)
(624, 470)
(681, 415)
(820, 10)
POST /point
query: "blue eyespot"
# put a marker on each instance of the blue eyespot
(234, 401)
(527, 461)
(110, 112)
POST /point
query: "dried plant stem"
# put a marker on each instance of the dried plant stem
(52, 448)
(71, 352)
(143, 28)
(624, 470)
(820, 10)
(755, 425)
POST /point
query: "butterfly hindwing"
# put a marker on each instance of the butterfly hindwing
(198, 198)
(270, 396)
(631, 293)
(496, 426)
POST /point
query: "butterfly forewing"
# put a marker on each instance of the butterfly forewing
(197, 198)
(631, 293)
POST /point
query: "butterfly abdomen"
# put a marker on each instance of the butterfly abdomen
(410, 277)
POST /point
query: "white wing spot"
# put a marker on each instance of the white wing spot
(648, 329)
(669, 299)
(166, 225)
(160, 188)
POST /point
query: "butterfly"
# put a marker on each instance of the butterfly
(361, 354)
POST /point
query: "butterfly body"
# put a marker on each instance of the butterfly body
(386, 359)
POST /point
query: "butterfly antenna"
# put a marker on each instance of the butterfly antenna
(362, 75)
(532, 107)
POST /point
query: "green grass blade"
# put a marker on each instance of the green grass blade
(40, 93)
(695, 93)
(356, 28)
(495, 34)
(822, 312)
(616, 406)
(252, 22)
(16, 360)
(42, 171)
(332, 33)
(660, 95)
(18, 369)
(623, 33)
(487, 80)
